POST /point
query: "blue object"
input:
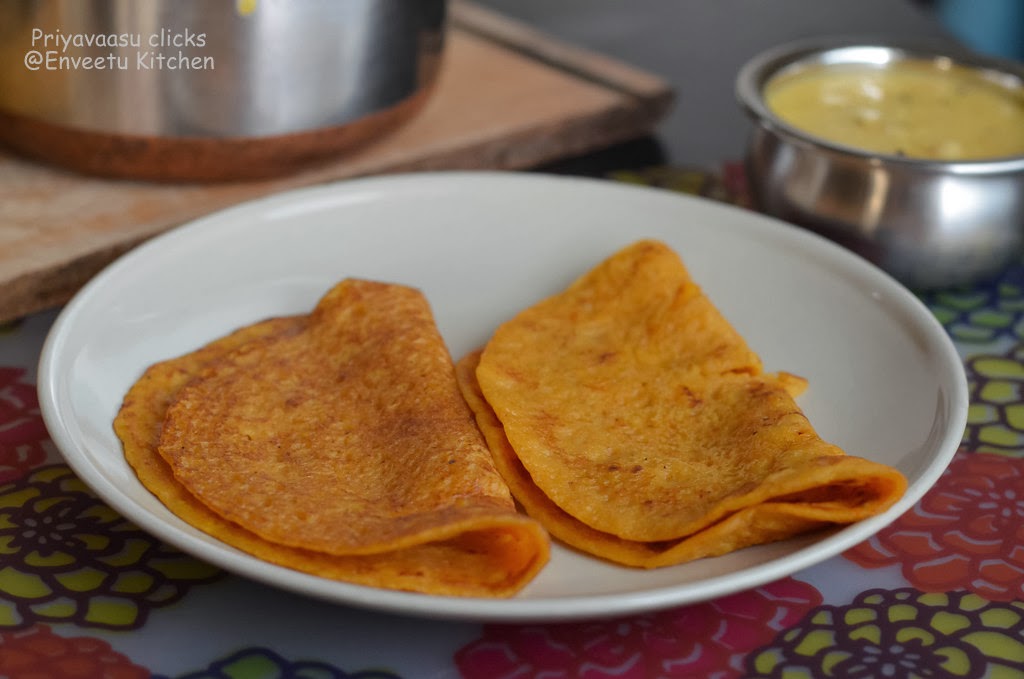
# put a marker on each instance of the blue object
(994, 27)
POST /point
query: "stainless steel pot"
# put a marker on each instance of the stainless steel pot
(201, 89)
(929, 223)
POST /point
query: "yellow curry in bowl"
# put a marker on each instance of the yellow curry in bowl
(917, 108)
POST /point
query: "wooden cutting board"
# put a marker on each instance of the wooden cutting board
(508, 97)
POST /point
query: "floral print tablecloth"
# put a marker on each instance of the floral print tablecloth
(940, 593)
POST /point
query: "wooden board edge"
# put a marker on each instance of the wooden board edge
(49, 288)
(578, 61)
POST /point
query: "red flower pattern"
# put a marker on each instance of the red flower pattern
(965, 533)
(706, 640)
(38, 653)
(23, 436)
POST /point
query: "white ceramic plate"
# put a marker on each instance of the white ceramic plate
(886, 382)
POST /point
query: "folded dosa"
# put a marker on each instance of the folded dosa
(629, 416)
(336, 444)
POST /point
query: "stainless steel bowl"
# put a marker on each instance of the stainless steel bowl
(929, 223)
(199, 89)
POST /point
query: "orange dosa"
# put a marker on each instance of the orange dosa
(628, 416)
(260, 425)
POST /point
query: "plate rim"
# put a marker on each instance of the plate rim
(513, 609)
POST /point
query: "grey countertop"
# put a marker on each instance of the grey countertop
(699, 45)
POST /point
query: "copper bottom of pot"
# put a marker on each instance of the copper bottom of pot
(196, 159)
